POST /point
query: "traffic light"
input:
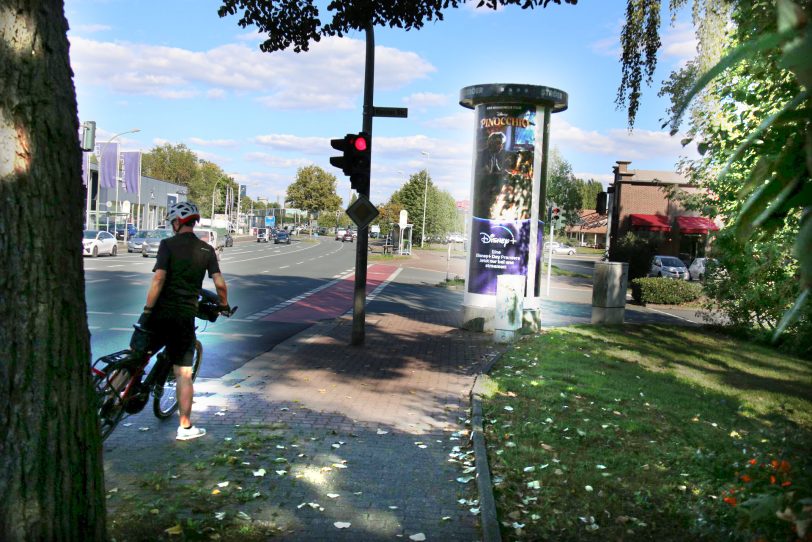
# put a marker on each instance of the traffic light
(556, 213)
(355, 160)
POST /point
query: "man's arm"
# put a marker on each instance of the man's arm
(155, 288)
(222, 289)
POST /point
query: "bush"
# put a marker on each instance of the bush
(664, 291)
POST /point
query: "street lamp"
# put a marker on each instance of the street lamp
(425, 197)
(109, 142)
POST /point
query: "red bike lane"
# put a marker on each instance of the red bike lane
(333, 301)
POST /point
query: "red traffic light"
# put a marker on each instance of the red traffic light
(360, 143)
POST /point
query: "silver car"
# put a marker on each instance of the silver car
(135, 241)
(668, 267)
(153, 240)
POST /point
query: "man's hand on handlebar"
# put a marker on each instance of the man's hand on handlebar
(226, 310)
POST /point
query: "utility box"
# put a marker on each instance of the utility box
(507, 321)
(609, 284)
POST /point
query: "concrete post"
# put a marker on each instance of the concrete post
(610, 282)
(507, 320)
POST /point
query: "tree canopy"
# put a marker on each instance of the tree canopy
(297, 23)
(313, 190)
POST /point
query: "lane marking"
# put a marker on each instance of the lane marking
(99, 312)
(96, 280)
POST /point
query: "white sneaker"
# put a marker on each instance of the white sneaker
(189, 433)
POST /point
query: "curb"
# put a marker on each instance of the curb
(487, 504)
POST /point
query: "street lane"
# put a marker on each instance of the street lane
(259, 275)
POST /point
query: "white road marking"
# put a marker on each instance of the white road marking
(98, 312)
(284, 267)
(95, 280)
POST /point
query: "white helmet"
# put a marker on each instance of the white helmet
(184, 212)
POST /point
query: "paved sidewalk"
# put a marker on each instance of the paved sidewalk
(391, 412)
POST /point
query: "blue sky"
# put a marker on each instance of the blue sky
(181, 74)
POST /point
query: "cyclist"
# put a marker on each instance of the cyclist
(169, 314)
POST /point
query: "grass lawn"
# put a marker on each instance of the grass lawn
(558, 272)
(649, 433)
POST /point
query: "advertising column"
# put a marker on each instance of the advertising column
(507, 192)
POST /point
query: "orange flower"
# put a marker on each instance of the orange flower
(752, 461)
(730, 500)
(772, 479)
(786, 484)
(746, 479)
(784, 466)
(774, 463)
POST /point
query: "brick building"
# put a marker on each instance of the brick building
(641, 205)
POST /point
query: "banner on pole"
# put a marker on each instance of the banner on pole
(132, 167)
(85, 167)
(108, 167)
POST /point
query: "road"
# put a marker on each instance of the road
(279, 289)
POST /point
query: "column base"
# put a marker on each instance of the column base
(608, 315)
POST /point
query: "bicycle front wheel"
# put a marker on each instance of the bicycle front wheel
(165, 397)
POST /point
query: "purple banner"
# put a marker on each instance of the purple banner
(85, 167)
(498, 248)
(108, 166)
(132, 170)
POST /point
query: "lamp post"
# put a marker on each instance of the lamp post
(109, 142)
(214, 191)
(425, 198)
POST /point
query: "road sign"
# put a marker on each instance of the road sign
(397, 112)
(403, 219)
(125, 207)
(362, 212)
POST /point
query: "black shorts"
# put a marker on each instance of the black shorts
(176, 334)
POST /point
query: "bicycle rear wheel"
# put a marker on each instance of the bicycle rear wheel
(165, 397)
(110, 409)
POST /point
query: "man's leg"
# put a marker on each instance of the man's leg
(185, 390)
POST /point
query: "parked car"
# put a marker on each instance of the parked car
(668, 267)
(563, 249)
(120, 231)
(262, 235)
(340, 234)
(209, 236)
(697, 268)
(134, 242)
(95, 242)
(153, 239)
(455, 238)
(282, 237)
(348, 236)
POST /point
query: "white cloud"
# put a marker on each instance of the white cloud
(461, 120)
(211, 157)
(293, 143)
(426, 99)
(679, 43)
(616, 144)
(607, 46)
(91, 28)
(604, 178)
(283, 80)
(213, 142)
(216, 93)
(277, 161)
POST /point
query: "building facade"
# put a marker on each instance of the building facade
(642, 205)
(144, 208)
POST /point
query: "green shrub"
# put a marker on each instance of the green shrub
(664, 291)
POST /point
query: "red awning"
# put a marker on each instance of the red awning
(695, 225)
(651, 222)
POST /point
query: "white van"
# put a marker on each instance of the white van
(209, 236)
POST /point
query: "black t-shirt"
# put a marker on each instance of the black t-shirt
(185, 258)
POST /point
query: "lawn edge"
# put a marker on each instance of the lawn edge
(487, 504)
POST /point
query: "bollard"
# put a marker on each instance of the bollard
(609, 285)
(507, 322)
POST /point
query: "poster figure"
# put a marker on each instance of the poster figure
(503, 188)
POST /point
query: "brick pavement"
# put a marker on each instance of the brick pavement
(398, 405)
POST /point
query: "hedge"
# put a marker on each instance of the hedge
(664, 291)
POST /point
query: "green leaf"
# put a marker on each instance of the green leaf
(791, 315)
(803, 250)
(749, 48)
(755, 136)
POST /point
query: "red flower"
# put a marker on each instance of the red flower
(752, 461)
(730, 500)
(746, 479)
(786, 484)
(772, 479)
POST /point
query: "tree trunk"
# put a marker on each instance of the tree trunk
(51, 482)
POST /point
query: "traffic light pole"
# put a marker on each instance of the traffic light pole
(362, 246)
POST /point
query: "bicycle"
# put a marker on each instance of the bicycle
(120, 382)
